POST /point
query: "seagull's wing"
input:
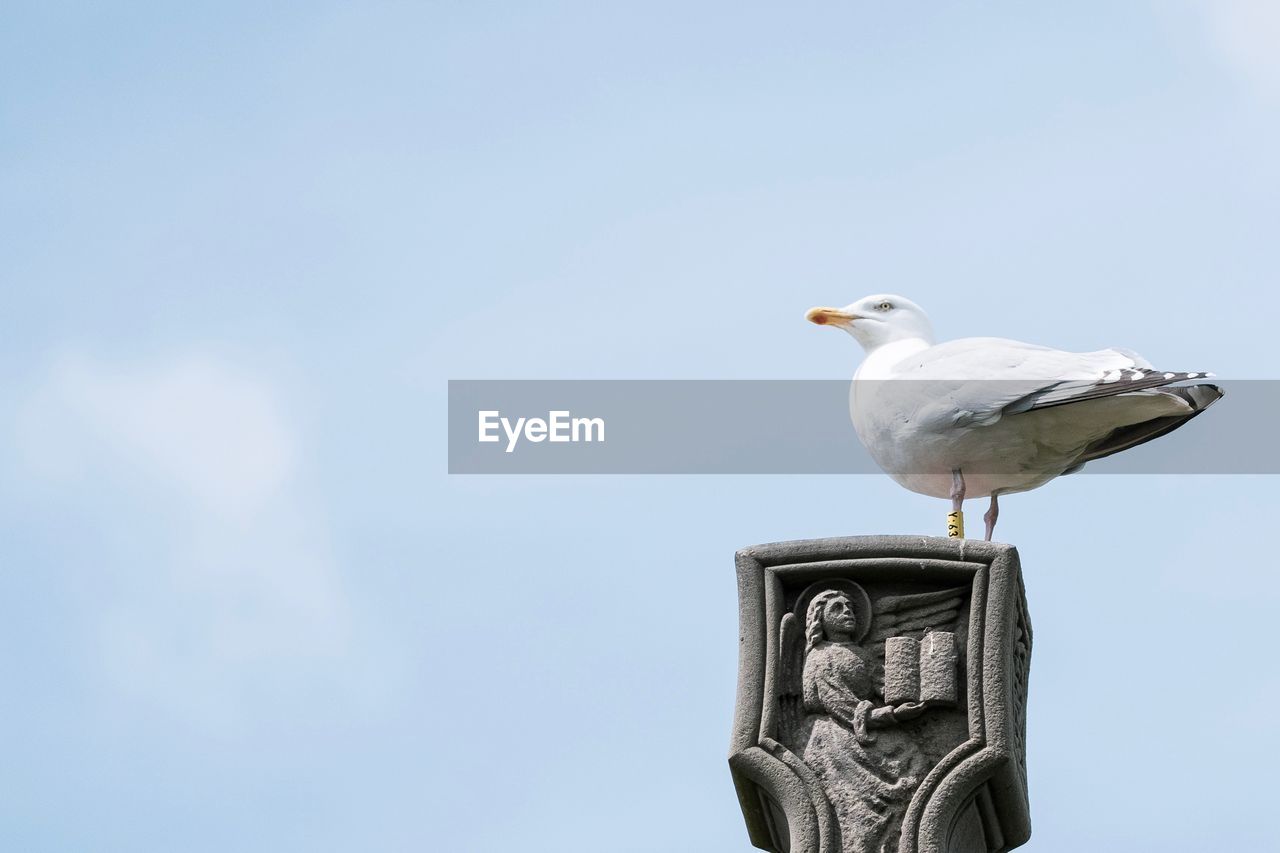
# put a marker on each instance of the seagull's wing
(984, 379)
(1196, 397)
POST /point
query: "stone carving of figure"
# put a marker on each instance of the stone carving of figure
(868, 766)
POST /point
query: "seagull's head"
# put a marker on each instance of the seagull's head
(877, 320)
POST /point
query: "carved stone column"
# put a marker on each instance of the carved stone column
(882, 689)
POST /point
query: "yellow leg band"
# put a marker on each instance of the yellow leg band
(955, 525)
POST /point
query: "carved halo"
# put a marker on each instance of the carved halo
(858, 600)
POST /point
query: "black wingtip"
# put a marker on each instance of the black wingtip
(1200, 397)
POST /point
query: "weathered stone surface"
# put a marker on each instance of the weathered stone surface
(822, 762)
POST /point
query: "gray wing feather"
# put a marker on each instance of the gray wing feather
(977, 381)
(1111, 385)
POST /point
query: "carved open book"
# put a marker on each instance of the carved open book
(923, 670)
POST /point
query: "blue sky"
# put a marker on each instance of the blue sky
(243, 606)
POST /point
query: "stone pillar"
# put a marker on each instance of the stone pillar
(882, 689)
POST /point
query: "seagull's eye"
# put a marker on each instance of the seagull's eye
(884, 306)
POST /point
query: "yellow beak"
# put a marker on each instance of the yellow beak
(829, 317)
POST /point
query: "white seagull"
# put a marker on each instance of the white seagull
(990, 416)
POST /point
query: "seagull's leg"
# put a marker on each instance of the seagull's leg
(990, 518)
(957, 489)
(955, 519)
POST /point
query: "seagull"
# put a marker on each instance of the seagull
(980, 417)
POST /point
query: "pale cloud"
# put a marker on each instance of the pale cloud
(1247, 35)
(234, 595)
(216, 433)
